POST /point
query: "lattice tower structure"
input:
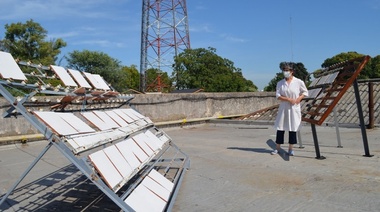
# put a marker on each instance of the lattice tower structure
(164, 34)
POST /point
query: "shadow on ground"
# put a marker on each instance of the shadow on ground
(272, 146)
(66, 189)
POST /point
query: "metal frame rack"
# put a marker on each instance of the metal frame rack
(325, 92)
(122, 152)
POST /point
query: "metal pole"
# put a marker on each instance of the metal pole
(316, 145)
(25, 173)
(337, 127)
(361, 118)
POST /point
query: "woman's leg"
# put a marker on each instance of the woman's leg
(279, 140)
(292, 141)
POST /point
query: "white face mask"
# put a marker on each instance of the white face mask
(287, 74)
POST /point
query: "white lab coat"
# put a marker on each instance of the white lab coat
(289, 116)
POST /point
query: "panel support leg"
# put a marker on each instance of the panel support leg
(31, 166)
(316, 144)
(361, 119)
(337, 127)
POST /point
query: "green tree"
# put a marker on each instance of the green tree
(133, 77)
(26, 41)
(340, 58)
(371, 70)
(99, 63)
(299, 71)
(273, 83)
(203, 68)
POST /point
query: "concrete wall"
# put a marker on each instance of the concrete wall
(167, 107)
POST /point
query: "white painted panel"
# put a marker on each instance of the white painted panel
(141, 122)
(134, 126)
(64, 76)
(143, 200)
(154, 139)
(92, 80)
(130, 113)
(95, 120)
(159, 178)
(147, 119)
(79, 78)
(164, 138)
(76, 123)
(135, 113)
(123, 115)
(126, 149)
(118, 161)
(151, 141)
(107, 119)
(55, 122)
(156, 188)
(102, 84)
(106, 169)
(73, 144)
(140, 140)
(9, 68)
(137, 151)
(116, 118)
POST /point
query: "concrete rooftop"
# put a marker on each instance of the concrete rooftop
(231, 170)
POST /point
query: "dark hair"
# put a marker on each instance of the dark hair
(287, 65)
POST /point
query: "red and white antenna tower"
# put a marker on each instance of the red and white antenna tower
(164, 34)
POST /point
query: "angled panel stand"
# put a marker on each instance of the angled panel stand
(120, 150)
(327, 89)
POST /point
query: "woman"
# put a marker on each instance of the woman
(290, 91)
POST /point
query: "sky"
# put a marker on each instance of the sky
(255, 35)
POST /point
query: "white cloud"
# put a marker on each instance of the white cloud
(233, 39)
(54, 9)
(63, 35)
(200, 28)
(100, 43)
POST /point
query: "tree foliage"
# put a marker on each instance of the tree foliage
(99, 63)
(299, 71)
(371, 70)
(203, 68)
(133, 77)
(27, 41)
(158, 81)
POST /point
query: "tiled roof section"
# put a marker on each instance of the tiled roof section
(347, 110)
(266, 114)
